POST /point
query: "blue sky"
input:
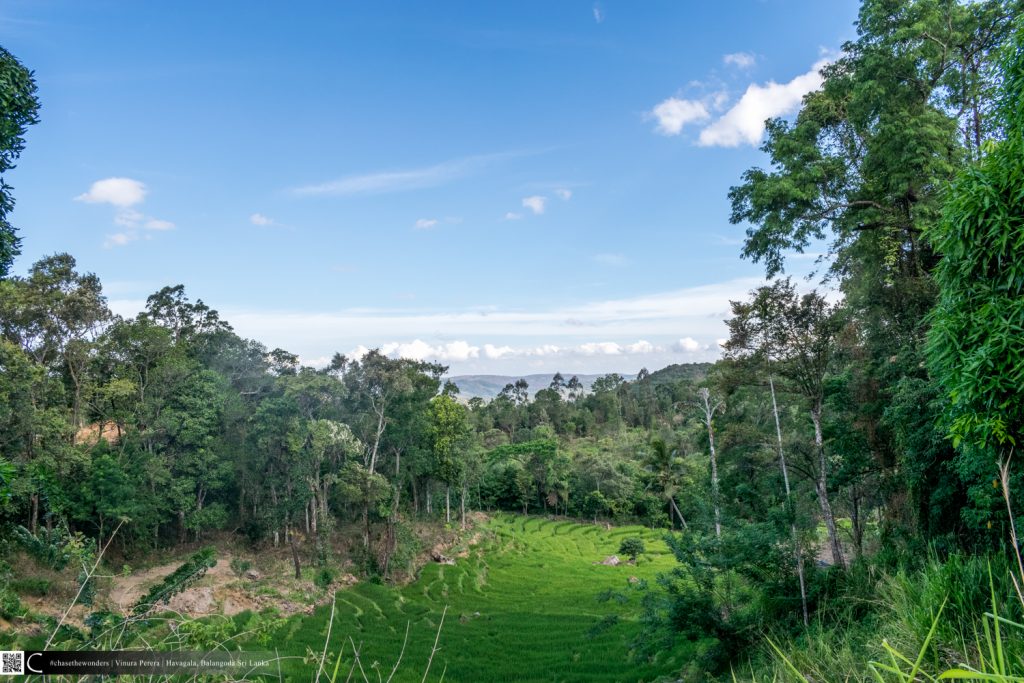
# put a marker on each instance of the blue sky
(505, 187)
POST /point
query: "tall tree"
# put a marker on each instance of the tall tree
(19, 109)
(708, 407)
(976, 344)
(800, 332)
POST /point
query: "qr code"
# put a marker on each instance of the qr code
(12, 663)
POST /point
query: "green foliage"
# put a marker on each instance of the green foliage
(239, 566)
(976, 345)
(562, 634)
(181, 578)
(633, 547)
(10, 605)
(324, 577)
(31, 586)
(50, 548)
(19, 109)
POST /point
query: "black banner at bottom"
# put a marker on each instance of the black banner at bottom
(118, 662)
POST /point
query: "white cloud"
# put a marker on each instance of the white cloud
(743, 123)
(121, 192)
(686, 345)
(512, 216)
(158, 224)
(674, 113)
(425, 223)
(418, 349)
(742, 60)
(458, 351)
(260, 219)
(603, 348)
(398, 181)
(598, 14)
(128, 218)
(682, 326)
(494, 352)
(641, 346)
(564, 193)
(119, 239)
(535, 203)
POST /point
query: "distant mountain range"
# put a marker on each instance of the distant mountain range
(489, 386)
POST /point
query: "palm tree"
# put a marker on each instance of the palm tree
(664, 464)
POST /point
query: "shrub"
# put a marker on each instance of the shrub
(240, 566)
(32, 586)
(324, 577)
(632, 546)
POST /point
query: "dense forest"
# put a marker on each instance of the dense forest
(859, 426)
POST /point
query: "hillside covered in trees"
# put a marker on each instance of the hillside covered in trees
(846, 473)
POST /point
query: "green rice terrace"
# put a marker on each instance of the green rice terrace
(522, 606)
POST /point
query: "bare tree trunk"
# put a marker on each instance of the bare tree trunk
(33, 520)
(679, 514)
(709, 414)
(822, 489)
(462, 504)
(856, 522)
(792, 527)
(447, 503)
(295, 556)
(371, 466)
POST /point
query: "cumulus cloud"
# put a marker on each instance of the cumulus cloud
(598, 14)
(595, 348)
(493, 352)
(681, 325)
(743, 123)
(425, 223)
(563, 193)
(686, 345)
(513, 216)
(260, 219)
(535, 203)
(741, 60)
(121, 192)
(674, 113)
(641, 346)
(461, 350)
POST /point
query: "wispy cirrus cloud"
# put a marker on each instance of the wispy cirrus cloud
(402, 180)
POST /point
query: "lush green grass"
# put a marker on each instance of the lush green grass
(535, 587)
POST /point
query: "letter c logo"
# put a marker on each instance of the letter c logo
(28, 663)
